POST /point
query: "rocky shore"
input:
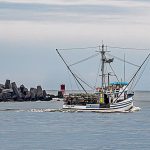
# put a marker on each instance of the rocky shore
(10, 92)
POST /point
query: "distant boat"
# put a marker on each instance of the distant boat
(110, 97)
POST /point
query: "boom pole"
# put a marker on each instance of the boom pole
(134, 76)
(71, 71)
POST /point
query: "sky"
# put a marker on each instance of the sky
(32, 30)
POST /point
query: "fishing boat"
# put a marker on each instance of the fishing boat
(110, 97)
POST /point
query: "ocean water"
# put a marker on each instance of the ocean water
(29, 126)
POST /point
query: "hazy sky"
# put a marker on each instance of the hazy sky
(31, 30)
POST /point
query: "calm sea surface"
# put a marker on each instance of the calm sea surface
(21, 128)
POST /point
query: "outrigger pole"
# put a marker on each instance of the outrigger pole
(71, 71)
(134, 76)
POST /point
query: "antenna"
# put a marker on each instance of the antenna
(124, 67)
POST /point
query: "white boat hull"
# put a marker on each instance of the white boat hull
(122, 106)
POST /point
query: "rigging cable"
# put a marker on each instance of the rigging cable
(141, 73)
(77, 85)
(133, 76)
(85, 59)
(132, 84)
(77, 48)
(124, 60)
(114, 72)
(77, 76)
(82, 79)
(71, 71)
(129, 48)
(114, 47)
(70, 80)
(99, 66)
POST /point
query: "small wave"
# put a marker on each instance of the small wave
(45, 110)
(134, 109)
(52, 110)
(9, 109)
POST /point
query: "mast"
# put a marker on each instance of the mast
(103, 65)
(105, 60)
